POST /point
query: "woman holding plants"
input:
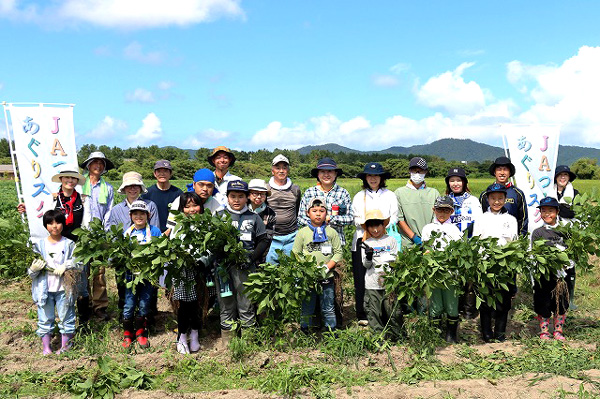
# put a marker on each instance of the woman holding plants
(565, 193)
(373, 196)
(467, 210)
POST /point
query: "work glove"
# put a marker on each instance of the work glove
(324, 270)
(59, 269)
(369, 253)
(37, 265)
(417, 240)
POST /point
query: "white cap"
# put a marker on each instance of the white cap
(280, 158)
(139, 205)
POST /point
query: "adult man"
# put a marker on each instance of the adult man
(98, 197)
(502, 169)
(222, 159)
(415, 203)
(285, 201)
(163, 193)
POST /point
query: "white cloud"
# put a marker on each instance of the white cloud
(135, 52)
(208, 138)
(385, 80)
(141, 96)
(150, 131)
(109, 127)
(126, 15)
(400, 67)
(449, 92)
(165, 85)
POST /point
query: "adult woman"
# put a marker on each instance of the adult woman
(374, 195)
(565, 193)
(467, 209)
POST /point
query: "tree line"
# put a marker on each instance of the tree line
(251, 164)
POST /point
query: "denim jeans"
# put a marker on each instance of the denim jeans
(285, 243)
(56, 301)
(327, 301)
(141, 299)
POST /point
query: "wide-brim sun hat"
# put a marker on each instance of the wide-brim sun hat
(374, 168)
(375, 214)
(457, 172)
(502, 161)
(108, 165)
(564, 169)
(221, 148)
(69, 171)
(326, 164)
(132, 179)
(259, 185)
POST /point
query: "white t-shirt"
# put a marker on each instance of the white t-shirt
(55, 253)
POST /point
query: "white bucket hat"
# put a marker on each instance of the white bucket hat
(132, 179)
(69, 171)
(259, 185)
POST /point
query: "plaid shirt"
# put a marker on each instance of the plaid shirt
(336, 196)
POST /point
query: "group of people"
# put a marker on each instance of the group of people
(276, 215)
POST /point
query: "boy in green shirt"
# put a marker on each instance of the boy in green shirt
(321, 242)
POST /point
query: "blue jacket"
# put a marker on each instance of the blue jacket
(516, 205)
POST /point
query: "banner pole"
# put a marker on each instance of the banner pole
(13, 156)
(505, 144)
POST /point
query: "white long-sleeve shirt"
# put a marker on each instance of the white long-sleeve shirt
(366, 200)
(501, 225)
(449, 232)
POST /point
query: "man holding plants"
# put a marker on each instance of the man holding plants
(285, 201)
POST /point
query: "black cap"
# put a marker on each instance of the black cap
(418, 162)
(564, 168)
(496, 188)
(444, 202)
(459, 172)
(502, 161)
(237, 185)
(374, 168)
(549, 201)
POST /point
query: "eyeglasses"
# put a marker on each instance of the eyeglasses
(259, 194)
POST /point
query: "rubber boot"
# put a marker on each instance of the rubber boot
(127, 333)
(46, 349)
(65, 343)
(471, 310)
(544, 327)
(485, 320)
(571, 288)
(226, 336)
(452, 330)
(182, 344)
(83, 310)
(500, 326)
(559, 321)
(141, 332)
(194, 343)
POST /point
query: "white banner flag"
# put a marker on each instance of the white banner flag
(44, 142)
(533, 149)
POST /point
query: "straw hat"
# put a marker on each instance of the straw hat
(69, 171)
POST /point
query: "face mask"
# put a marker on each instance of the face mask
(417, 178)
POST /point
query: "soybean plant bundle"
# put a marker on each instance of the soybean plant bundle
(547, 260)
(16, 254)
(582, 235)
(282, 288)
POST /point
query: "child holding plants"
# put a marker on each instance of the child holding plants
(321, 242)
(53, 285)
(235, 304)
(140, 229)
(380, 250)
(550, 293)
(496, 222)
(184, 291)
(444, 300)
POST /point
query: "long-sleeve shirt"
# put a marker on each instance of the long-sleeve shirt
(221, 186)
(40, 280)
(336, 196)
(415, 207)
(120, 214)
(366, 200)
(516, 205)
(92, 203)
(501, 225)
(385, 251)
(467, 210)
(448, 232)
(322, 252)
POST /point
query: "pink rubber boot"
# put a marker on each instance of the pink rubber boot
(544, 327)
(65, 343)
(46, 349)
(558, 327)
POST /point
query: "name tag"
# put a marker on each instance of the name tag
(326, 249)
(246, 236)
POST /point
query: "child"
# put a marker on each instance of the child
(321, 242)
(143, 232)
(444, 300)
(496, 222)
(188, 314)
(258, 197)
(544, 291)
(48, 287)
(254, 238)
(380, 250)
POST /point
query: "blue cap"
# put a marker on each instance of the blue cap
(549, 201)
(237, 185)
(204, 175)
(496, 188)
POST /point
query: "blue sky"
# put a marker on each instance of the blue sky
(266, 74)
